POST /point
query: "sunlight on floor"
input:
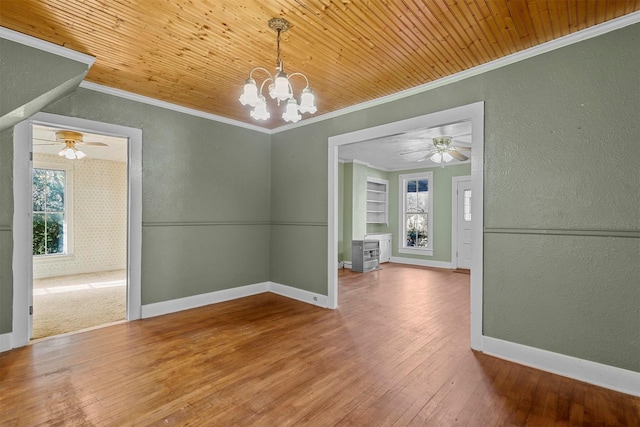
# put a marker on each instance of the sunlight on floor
(80, 287)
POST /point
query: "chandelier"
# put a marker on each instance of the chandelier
(279, 87)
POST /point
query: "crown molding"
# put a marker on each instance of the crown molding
(169, 106)
(587, 33)
(55, 49)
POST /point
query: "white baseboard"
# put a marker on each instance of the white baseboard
(5, 342)
(298, 294)
(172, 306)
(587, 371)
(422, 262)
(340, 264)
(347, 264)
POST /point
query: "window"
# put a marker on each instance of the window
(51, 210)
(467, 206)
(416, 213)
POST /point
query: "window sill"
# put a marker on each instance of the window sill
(423, 252)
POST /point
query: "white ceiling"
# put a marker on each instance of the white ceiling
(402, 151)
(44, 141)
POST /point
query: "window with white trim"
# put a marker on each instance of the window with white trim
(51, 196)
(416, 213)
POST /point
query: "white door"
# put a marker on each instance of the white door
(463, 221)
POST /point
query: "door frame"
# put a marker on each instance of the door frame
(455, 180)
(22, 222)
(475, 114)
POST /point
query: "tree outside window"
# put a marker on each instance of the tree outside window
(416, 213)
(49, 212)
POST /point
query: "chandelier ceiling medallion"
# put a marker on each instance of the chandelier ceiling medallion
(279, 87)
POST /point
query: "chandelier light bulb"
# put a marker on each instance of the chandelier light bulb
(291, 113)
(436, 158)
(446, 157)
(80, 155)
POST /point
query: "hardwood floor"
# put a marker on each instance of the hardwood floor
(396, 352)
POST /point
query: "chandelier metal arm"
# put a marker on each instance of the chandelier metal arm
(300, 74)
(269, 79)
(260, 68)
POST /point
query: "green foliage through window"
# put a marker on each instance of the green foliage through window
(48, 211)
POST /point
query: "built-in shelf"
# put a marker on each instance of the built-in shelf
(377, 201)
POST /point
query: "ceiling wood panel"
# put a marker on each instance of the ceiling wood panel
(197, 53)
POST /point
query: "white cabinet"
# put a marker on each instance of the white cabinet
(385, 244)
(377, 201)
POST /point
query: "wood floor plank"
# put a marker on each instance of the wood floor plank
(396, 352)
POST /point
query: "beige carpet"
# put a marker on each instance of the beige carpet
(71, 303)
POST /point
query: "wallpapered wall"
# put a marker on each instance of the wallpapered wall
(99, 216)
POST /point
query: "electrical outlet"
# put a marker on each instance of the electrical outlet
(315, 298)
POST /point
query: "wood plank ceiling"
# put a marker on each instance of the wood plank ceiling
(197, 53)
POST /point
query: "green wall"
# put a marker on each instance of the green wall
(441, 207)
(206, 195)
(561, 156)
(340, 211)
(441, 210)
(31, 79)
(225, 206)
(205, 203)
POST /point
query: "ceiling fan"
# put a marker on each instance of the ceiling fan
(442, 151)
(70, 139)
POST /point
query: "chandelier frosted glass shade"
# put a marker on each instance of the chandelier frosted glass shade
(279, 87)
(291, 113)
(250, 94)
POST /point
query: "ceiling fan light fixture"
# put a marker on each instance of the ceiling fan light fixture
(441, 156)
(278, 86)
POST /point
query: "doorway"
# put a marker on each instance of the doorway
(79, 230)
(473, 113)
(461, 253)
(23, 224)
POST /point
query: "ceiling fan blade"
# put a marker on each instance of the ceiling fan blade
(404, 153)
(97, 144)
(461, 148)
(427, 155)
(46, 143)
(458, 155)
